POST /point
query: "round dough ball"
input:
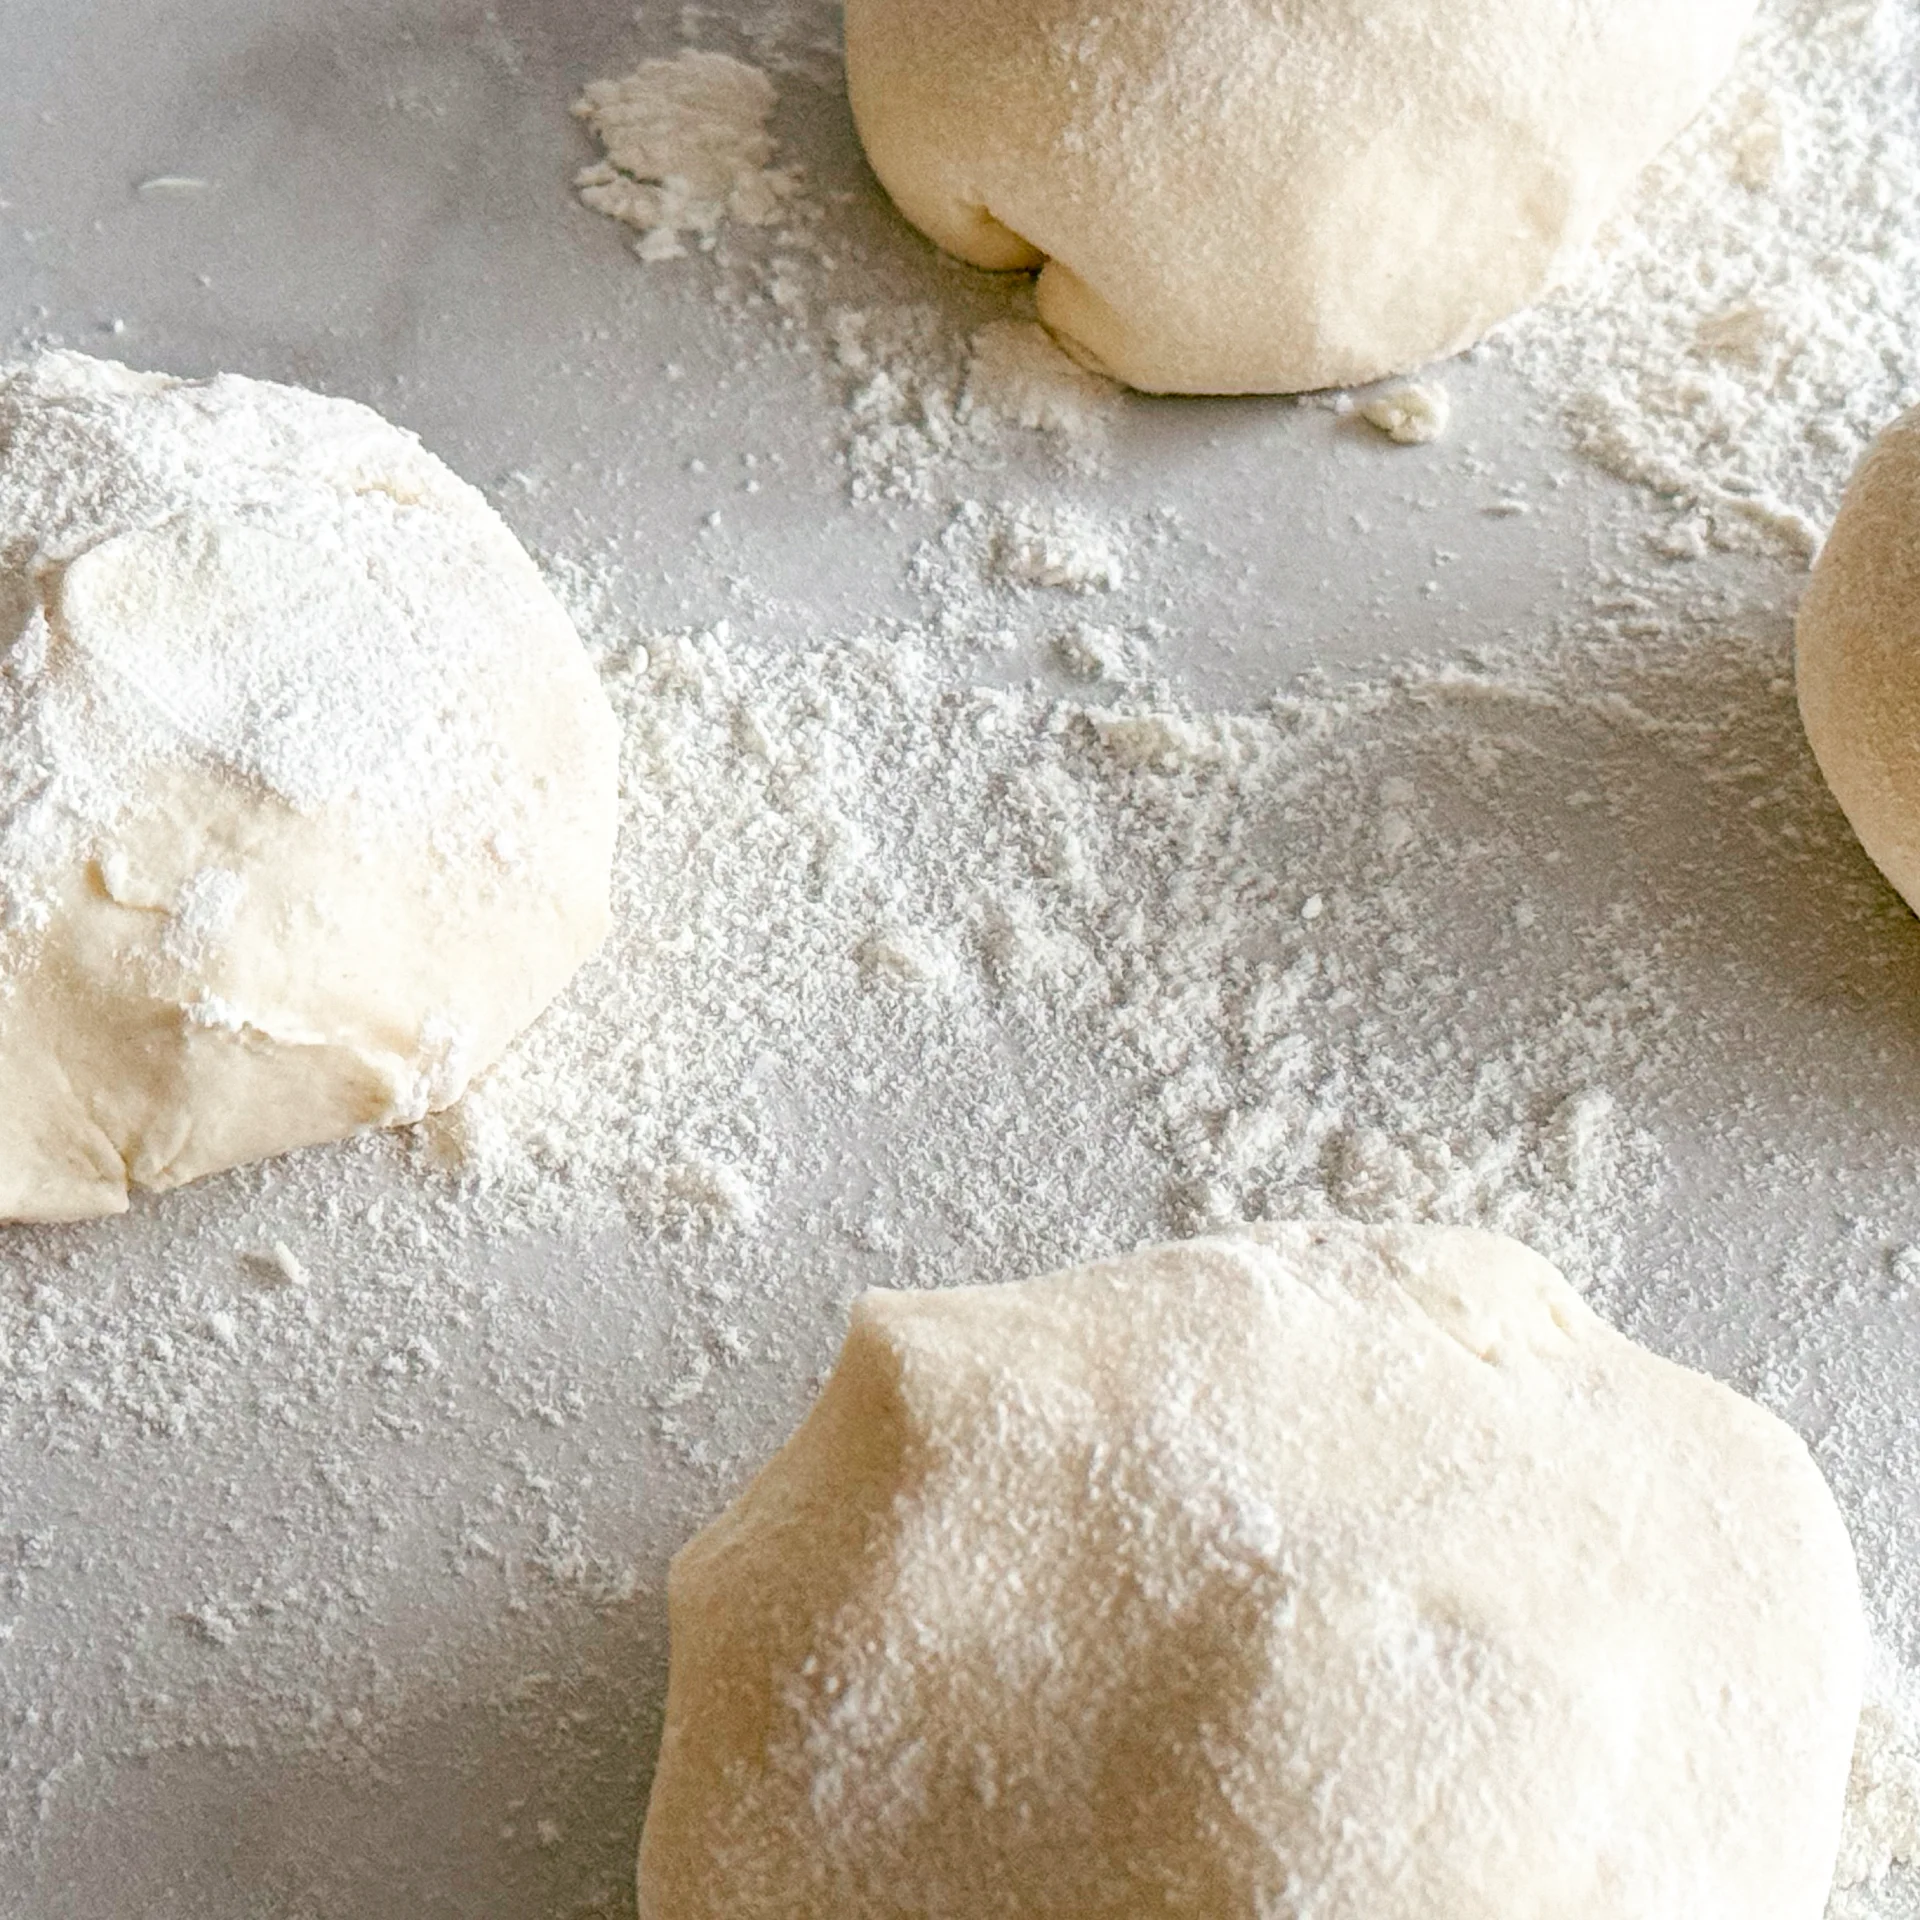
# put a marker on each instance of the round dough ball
(307, 785)
(1858, 655)
(1231, 196)
(1344, 1571)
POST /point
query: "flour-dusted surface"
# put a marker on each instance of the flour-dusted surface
(1746, 328)
(1224, 927)
(340, 1492)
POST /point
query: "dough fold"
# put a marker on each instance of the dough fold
(1239, 196)
(307, 786)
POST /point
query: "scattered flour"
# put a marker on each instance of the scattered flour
(1747, 326)
(925, 403)
(687, 151)
(1051, 546)
(993, 556)
(906, 377)
(1017, 374)
(1167, 906)
(1739, 337)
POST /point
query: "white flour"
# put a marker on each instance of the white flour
(922, 871)
(687, 148)
(688, 151)
(1747, 327)
(926, 405)
(1021, 544)
(1018, 375)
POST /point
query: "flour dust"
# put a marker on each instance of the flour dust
(1746, 325)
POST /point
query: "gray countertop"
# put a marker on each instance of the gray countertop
(296, 1621)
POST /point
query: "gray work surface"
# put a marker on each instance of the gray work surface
(258, 1665)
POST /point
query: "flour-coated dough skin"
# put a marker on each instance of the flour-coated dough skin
(1857, 655)
(1237, 196)
(1346, 1572)
(307, 786)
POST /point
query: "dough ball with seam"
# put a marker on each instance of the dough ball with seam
(1231, 196)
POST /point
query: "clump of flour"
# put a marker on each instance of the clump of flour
(1882, 1828)
(905, 376)
(687, 148)
(1411, 413)
(1017, 374)
(990, 550)
(1746, 326)
(1031, 545)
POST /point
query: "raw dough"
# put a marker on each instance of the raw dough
(1858, 655)
(306, 784)
(1344, 1572)
(1239, 196)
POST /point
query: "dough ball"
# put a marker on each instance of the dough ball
(1231, 196)
(1359, 1573)
(1859, 655)
(306, 784)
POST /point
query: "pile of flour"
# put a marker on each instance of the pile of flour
(687, 148)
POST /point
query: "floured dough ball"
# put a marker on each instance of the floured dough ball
(1858, 655)
(1231, 196)
(1359, 1573)
(306, 783)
